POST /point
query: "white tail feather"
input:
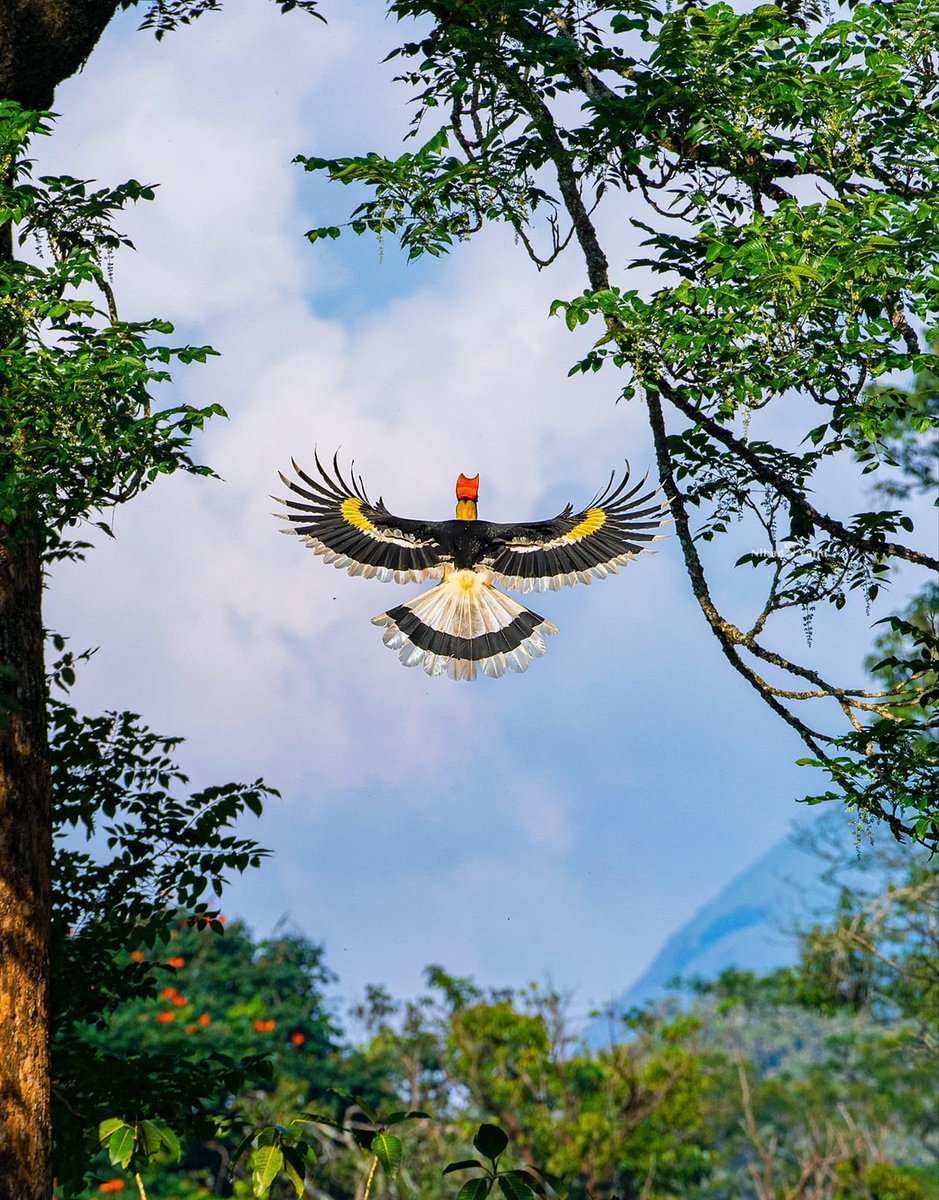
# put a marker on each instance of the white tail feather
(465, 606)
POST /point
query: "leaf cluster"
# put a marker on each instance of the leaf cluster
(80, 429)
(781, 163)
(134, 856)
(164, 16)
(514, 1184)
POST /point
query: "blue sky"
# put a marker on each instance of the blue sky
(559, 824)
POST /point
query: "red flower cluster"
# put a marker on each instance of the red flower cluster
(176, 961)
(298, 1038)
(112, 1185)
(264, 1026)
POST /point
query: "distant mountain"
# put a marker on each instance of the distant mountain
(751, 924)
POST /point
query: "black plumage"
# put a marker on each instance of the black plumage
(465, 621)
(339, 521)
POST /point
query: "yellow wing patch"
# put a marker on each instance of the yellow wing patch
(593, 521)
(351, 510)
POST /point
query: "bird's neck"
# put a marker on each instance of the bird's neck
(466, 510)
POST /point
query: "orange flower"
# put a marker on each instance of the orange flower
(179, 1001)
(264, 1026)
(298, 1038)
(191, 1029)
(137, 956)
(164, 1017)
(176, 961)
(205, 1019)
(112, 1185)
(167, 993)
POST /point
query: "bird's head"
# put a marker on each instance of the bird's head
(467, 493)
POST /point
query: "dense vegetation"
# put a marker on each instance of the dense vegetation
(782, 162)
(816, 1080)
(786, 158)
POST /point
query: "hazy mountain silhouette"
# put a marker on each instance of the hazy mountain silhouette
(752, 923)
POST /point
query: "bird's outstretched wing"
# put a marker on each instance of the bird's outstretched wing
(338, 521)
(578, 547)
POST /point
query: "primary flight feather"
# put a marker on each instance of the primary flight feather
(465, 622)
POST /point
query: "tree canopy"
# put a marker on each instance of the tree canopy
(817, 1076)
(781, 162)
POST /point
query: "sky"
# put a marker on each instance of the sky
(555, 825)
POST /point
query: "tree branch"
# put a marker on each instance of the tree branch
(766, 474)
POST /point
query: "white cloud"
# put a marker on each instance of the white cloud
(458, 814)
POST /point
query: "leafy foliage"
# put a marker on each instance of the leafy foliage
(77, 401)
(822, 1072)
(786, 160)
(163, 16)
(116, 786)
(127, 1144)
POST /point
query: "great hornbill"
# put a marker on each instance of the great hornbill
(464, 622)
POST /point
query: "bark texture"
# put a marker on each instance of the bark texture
(43, 42)
(25, 891)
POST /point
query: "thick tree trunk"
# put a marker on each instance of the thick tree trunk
(43, 42)
(25, 891)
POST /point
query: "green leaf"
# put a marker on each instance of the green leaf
(108, 1127)
(490, 1141)
(266, 1163)
(550, 1179)
(239, 1151)
(369, 1112)
(414, 1114)
(150, 1139)
(475, 1189)
(532, 1182)
(515, 1188)
(387, 1149)
(311, 1118)
(296, 1168)
(121, 1145)
(465, 1164)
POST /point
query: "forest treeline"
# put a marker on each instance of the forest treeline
(815, 1080)
(780, 161)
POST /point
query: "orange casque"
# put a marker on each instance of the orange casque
(467, 488)
(467, 493)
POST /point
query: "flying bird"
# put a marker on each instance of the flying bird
(465, 623)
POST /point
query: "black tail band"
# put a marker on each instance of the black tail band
(487, 645)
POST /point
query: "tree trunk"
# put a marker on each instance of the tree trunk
(43, 42)
(25, 889)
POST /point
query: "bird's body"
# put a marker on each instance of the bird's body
(465, 622)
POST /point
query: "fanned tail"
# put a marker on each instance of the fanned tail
(463, 624)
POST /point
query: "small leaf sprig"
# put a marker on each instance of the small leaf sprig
(515, 1184)
(130, 1146)
(386, 1149)
(275, 1149)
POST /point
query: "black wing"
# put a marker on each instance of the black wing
(339, 521)
(578, 547)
